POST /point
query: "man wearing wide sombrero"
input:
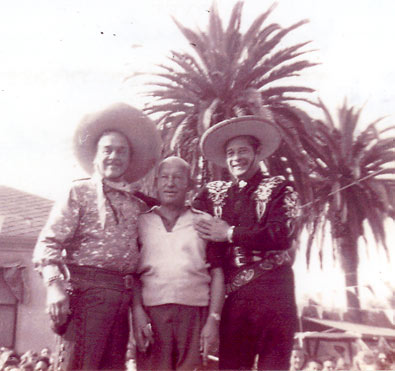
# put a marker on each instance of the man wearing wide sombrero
(253, 222)
(88, 251)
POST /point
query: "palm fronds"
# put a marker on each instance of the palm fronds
(231, 73)
(349, 174)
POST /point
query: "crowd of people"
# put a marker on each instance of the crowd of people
(28, 361)
(212, 275)
(363, 360)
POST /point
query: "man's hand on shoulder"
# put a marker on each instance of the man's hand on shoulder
(213, 229)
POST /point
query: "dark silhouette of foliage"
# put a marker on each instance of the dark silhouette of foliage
(229, 73)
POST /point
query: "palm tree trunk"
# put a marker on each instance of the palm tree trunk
(349, 261)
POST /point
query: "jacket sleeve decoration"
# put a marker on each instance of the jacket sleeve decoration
(217, 192)
(263, 193)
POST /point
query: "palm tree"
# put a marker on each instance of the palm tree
(230, 73)
(353, 185)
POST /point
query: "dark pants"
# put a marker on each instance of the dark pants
(259, 319)
(98, 332)
(176, 344)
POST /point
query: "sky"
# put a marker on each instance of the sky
(62, 59)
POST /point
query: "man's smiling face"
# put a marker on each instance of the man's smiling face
(173, 182)
(241, 158)
(112, 156)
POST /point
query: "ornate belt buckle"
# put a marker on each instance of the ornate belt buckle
(266, 265)
(238, 260)
(237, 250)
(243, 277)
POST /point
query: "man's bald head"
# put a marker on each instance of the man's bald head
(177, 162)
(173, 181)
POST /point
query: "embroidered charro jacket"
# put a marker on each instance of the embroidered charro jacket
(263, 211)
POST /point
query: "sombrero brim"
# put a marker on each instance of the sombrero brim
(214, 139)
(141, 132)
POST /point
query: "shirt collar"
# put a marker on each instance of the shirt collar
(253, 181)
(110, 185)
(104, 186)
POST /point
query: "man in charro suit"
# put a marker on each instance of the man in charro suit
(253, 221)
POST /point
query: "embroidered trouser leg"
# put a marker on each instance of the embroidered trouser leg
(98, 332)
(259, 319)
(176, 331)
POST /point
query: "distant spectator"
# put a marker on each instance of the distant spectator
(313, 365)
(9, 359)
(382, 362)
(2, 350)
(342, 365)
(42, 364)
(46, 352)
(328, 364)
(364, 361)
(297, 359)
(27, 366)
(29, 357)
(11, 368)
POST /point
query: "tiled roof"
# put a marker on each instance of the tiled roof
(22, 214)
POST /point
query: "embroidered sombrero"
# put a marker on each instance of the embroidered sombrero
(135, 125)
(214, 139)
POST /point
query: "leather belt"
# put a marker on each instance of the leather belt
(101, 277)
(272, 260)
(240, 256)
(239, 261)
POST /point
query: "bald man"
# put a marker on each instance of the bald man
(182, 284)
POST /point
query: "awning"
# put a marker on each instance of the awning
(330, 336)
(349, 327)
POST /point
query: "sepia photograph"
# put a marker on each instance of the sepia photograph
(197, 185)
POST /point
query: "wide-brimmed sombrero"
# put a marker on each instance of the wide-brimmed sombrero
(141, 132)
(214, 139)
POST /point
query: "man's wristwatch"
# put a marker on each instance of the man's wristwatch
(216, 316)
(49, 281)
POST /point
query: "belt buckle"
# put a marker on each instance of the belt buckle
(238, 261)
(237, 250)
(245, 276)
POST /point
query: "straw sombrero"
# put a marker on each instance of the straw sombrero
(214, 139)
(136, 126)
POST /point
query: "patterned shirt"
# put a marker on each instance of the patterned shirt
(96, 225)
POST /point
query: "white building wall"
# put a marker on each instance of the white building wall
(32, 327)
